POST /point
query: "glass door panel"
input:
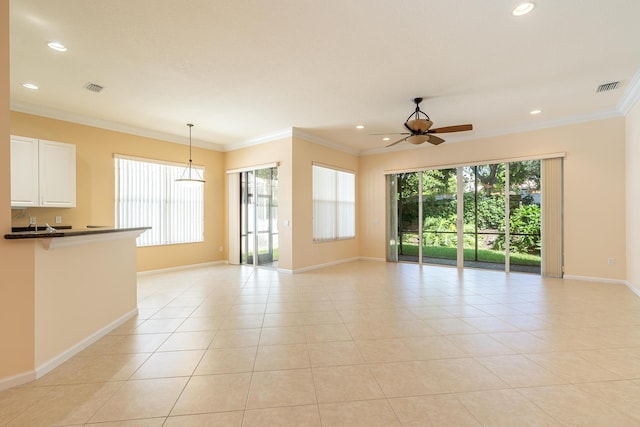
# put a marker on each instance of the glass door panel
(259, 217)
(266, 224)
(439, 216)
(247, 224)
(484, 216)
(408, 216)
(524, 216)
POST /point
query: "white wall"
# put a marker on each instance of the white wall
(632, 156)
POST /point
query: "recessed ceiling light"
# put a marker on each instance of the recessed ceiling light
(30, 86)
(534, 112)
(523, 8)
(359, 127)
(386, 138)
(57, 46)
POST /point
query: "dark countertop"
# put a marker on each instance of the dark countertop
(44, 234)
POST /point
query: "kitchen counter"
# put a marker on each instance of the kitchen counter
(85, 285)
(72, 237)
(44, 234)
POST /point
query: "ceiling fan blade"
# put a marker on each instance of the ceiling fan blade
(391, 133)
(448, 129)
(435, 140)
(394, 143)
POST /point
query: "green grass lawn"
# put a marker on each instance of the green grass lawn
(484, 255)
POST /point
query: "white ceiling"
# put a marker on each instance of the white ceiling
(242, 70)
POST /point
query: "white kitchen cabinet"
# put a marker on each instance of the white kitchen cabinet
(24, 172)
(43, 173)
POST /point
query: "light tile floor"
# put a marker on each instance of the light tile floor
(359, 344)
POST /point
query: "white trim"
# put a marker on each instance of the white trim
(16, 380)
(297, 133)
(337, 168)
(276, 136)
(366, 258)
(253, 168)
(633, 289)
(327, 264)
(82, 239)
(54, 362)
(180, 268)
(478, 163)
(594, 279)
(476, 135)
(155, 161)
(631, 95)
(38, 110)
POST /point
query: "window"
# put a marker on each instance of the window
(148, 196)
(334, 204)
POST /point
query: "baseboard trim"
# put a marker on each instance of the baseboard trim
(53, 363)
(366, 258)
(633, 289)
(16, 380)
(594, 279)
(326, 264)
(181, 268)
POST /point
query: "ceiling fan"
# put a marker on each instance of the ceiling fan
(419, 126)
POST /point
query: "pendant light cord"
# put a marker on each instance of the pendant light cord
(190, 126)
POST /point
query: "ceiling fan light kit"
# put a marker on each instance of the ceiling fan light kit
(418, 139)
(419, 126)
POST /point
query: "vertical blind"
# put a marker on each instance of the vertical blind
(334, 204)
(551, 223)
(147, 195)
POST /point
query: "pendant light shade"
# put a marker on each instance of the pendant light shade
(190, 175)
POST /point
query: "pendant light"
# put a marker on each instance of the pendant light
(190, 175)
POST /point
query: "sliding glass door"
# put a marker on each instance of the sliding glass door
(259, 217)
(482, 216)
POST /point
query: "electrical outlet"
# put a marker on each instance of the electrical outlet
(221, 248)
(32, 220)
(58, 220)
(611, 261)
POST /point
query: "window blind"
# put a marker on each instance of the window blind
(148, 196)
(334, 204)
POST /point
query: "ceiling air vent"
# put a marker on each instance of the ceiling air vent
(607, 87)
(93, 87)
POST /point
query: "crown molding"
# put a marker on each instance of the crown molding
(281, 134)
(628, 100)
(52, 113)
(631, 95)
(475, 135)
(292, 132)
(298, 133)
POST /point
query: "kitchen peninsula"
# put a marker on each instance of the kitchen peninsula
(85, 286)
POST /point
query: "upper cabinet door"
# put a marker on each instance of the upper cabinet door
(57, 172)
(24, 172)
